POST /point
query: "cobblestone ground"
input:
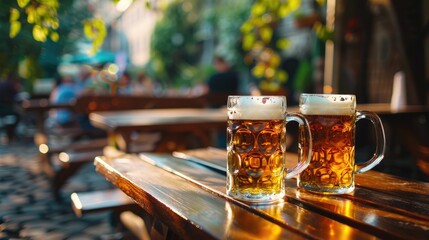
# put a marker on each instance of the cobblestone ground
(27, 208)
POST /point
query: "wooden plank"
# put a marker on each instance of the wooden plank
(384, 109)
(97, 201)
(91, 103)
(370, 217)
(286, 214)
(394, 193)
(387, 221)
(404, 189)
(187, 209)
(388, 184)
(83, 145)
(159, 119)
(79, 157)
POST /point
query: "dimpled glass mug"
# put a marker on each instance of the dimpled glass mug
(256, 146)
(332, 119)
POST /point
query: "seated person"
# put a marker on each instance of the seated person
(9, 113)
(224, 81)
(64, 92)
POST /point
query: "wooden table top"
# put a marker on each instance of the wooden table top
(190, 199)
(153, 119)
(384, 109)
(148, 119)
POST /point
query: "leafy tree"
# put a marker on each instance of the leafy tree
(12, 51)
(227, 17)
(175, 49)
(36, 33)
(263, 44)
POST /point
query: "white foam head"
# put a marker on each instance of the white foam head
(327, 104)
(256, 107)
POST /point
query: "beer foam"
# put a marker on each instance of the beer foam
(327, 104)
(256, 107)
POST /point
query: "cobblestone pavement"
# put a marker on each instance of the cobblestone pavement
(27, 208)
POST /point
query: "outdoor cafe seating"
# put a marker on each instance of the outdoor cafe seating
(182, 193)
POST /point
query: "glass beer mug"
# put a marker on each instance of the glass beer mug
(256, 146)
(332, 119)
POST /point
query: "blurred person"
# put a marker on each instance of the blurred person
(85, 77)
(96, 80)
(124, 84)
(225, 80)
(65, 91)
(144, 85)
(9, 112)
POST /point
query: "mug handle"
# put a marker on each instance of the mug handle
(305, 144)
(380, 141)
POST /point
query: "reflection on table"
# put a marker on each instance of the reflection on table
(188, 197)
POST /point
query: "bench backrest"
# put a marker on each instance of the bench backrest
(91, 103)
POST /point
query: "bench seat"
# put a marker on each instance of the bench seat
(97, 201)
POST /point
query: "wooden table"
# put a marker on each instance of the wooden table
(407, 134)
(407, 137)
(41, 107)
(189, 199)
(198, 121)
(384, 109)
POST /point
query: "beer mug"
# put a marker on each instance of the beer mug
(256, 146)
(332, 119)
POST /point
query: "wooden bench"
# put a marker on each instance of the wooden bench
(114, 200)
(86, 104)
(98, 201)
(84, 151)
(125, 212)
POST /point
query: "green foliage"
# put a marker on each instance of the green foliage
(42, 14)
(261, 43)
(24, 49)
(175, 49)
(12, 51)
(228, 18)
(178, 39)
(95, 31)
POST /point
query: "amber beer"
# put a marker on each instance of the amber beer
(256, 144)
(256, 158)
(332, 120)
(333, 157)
